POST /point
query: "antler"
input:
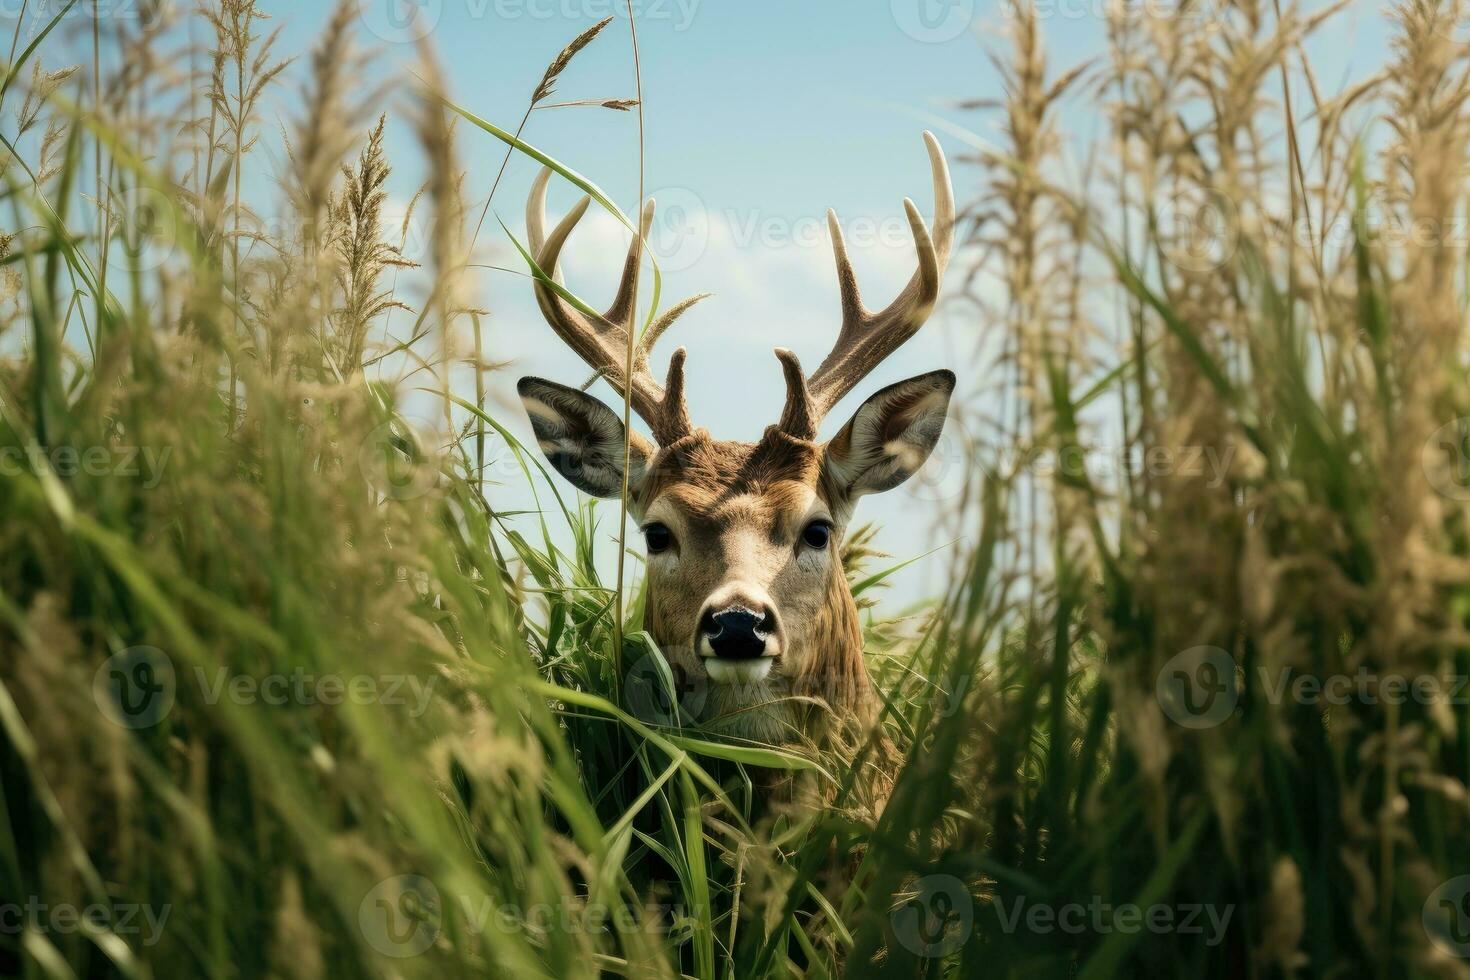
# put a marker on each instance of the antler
(602, 339)
(867, 337)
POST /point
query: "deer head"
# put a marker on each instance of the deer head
(746, 590)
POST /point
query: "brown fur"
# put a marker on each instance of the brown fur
(718, 485)
(737, 514)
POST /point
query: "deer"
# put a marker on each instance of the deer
(746, 594)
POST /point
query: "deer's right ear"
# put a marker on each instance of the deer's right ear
(582, 437)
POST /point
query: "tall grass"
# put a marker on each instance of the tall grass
(284, 692)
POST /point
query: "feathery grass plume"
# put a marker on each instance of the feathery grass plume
(243, 67)
(32, 113)
(329, 121)
(559, 64)
(42, 85)
(332, 114)
(363, 256)
(622, 105)
(1417, 630)
(448, 254)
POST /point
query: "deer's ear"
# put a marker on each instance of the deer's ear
(890, 436)
(582, 437)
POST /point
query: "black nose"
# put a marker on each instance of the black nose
(736, 633)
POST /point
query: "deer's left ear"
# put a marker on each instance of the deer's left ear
(582, 437)
(890, 436)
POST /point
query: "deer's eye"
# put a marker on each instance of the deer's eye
(658, 537)
(816, 535)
